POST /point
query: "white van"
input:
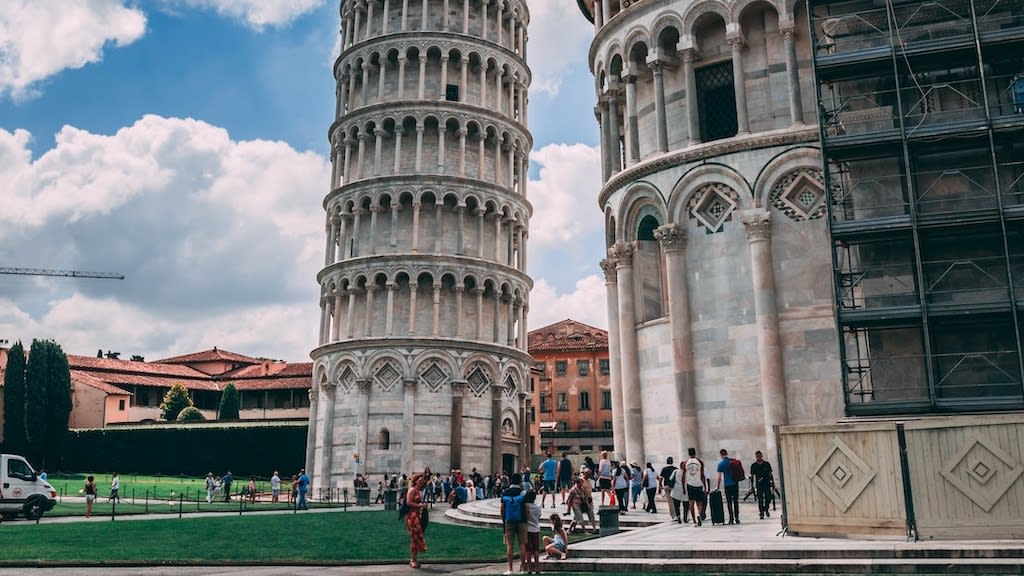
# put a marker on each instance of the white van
(21, 490)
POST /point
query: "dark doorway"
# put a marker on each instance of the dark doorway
(508, 463)
(716, 99)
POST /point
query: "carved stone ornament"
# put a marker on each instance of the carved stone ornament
(608, 265)
(800, 195)
(757, 223)
(672, 237)
(712, 205)
(622, 252)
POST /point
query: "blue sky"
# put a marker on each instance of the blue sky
(183, 144)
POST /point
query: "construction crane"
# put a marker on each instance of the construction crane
(62, 273)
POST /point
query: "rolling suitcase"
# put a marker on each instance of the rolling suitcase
(717, 508)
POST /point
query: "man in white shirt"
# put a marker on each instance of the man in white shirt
(696, 484)
(275, 486)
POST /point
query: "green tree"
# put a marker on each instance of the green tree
(47, 403)
(174, 402)
(190, 414)
(14, 400)
(228, 403)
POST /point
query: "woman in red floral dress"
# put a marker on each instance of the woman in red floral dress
(414, 500)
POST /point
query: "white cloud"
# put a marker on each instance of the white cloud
(40, 38)
(564, 199)
(220, 240)
(257, 13)
(585, 304)
(559, 38)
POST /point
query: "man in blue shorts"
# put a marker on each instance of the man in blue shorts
(548, 469)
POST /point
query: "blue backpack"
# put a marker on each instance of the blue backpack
(513, 507)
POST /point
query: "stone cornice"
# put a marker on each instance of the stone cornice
(438, 263)
(756, 141)
(366, 186)
(448, 345)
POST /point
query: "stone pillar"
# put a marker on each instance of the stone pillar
(401, 75)
(326, 455)
(360, 156)
(350, 314)
(389, 318)
(435, 329)
(444, 75)
(362, 419)
(465, 16)
(661, 125)
(423, 76)
(673, 243)
(736, 43)
(409, 423)
(606, 11)
(481, 145)
(398, 149)
(378, 149)
(460, 241)
(419, 146)
(597, 17)
(524, 428)
(483, 19)
(364, 89)
(369, 19)
(496, 330)
(325, 320)
(459, 290)
(632, 121)
(497, 391)
(601, 112)
(631, 401)
(455, 441)
(342, 243)
(385, 17)
(692, 107)
(382, 72)
(357, 214)
(412, 307)
(405, 15)
(479, 312)
(438, 225)
(480, 212)
(331, 240)
(371, 289)
(608, 265)
(393, 240)
(757, 224)
(462, 150)
(374, 210)
(442, 137)
(796, 107)
(416, 227)
(311, 432)
(423, 19)
(336, 328)
(614, 137)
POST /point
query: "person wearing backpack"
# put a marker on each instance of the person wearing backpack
(730, 474)
(513, 516)
(762, 482)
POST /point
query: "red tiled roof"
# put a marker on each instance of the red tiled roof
(155, 381)
(85, 379)
(270, 384)
(94, 364)
(211, 355)
(567, 336)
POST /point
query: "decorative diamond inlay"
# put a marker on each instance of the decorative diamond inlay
(712, 206)
(347, 380)
(387, 377)
(983, 471)
(510, 388)
(434, 377)
(800, 195)
(478, 382)
(842, 475)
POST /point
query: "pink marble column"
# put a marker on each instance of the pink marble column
(757, 223)
(673, 242)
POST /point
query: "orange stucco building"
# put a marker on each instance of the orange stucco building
(572, 401)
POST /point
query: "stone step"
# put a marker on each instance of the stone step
(711, 552)
(761, 566)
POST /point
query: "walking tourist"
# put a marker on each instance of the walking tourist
(696, 484)
(115, 488)
(636, 481)
(90, 494)
(226, 481)
(604, 475)
(728, 480)
(650, 481)
(564, 475)
(581, 503)
(303, 485)
(549, 468)
(275, 487)
(513, 521)
(677, 497)
(414, 500)
(250, 490)
(620, 483)
(763, 482)
(665, 487)
(211, 484)
(533, 513)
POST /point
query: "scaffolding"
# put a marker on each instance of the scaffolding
(921, 112)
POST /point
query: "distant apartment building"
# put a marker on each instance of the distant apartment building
(572, 398)
(108, 391)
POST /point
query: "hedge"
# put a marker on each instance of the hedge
(244, 449)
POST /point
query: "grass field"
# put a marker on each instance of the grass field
(287, 538)
(154, 487)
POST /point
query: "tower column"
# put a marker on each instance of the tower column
(364, 90)
(796, 106)
(385, 16)
(325, 319)
(350, 313)
(326, 460)
(632, 121)
(460, 247)
(661, 124)
(398, 149)
(442, 95)
(413, 287)
(736, 43)
(360, 157)
(357, 214)
(480, 231)
(423, 76)
(609, 266)
(405, 15)
(462, 151)
(393, 241)
(336, 328)
(684, 403)
(757, 224)
(401, 74)
(409, 418)
(632, 406)
(479, 313)
(311, 431)
(497, 391)
(459, 289)
(378, 148)
(419, 146)
(435, 329)
(371, 289)
(455, 441)
(362, 418)
(342, 241)
(416, 227)
(374, 210)
(389, 319)
(692, 108)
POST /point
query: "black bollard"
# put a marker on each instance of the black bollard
(147, 501)
(181, 503)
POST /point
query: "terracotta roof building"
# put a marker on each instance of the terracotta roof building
(572, 397)
(113, 391)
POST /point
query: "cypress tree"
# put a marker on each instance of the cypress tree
(228, 403)
(58, 393)
(14, 400)
(37, 402)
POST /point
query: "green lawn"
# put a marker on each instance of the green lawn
(139, 487)
(355, 537)
(169, 506)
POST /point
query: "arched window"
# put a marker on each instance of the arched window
(645, 231)
(384, 439)
(647, 266)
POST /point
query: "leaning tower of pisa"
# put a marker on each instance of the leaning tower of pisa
(422, 355)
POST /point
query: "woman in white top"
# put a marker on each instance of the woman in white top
(650, 487)
(678, 495)
(604, 475)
